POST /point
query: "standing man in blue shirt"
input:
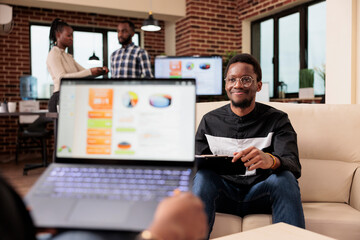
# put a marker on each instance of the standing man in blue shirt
(130, 60)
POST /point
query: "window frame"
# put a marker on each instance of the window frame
(255, 41)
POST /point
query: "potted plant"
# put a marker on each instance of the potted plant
(306, 84)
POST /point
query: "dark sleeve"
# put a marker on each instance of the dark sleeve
(285, 146)
(201, 144)
(15, 220)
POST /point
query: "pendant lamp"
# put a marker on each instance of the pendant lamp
(94, 57)
(151, 24)
(93, 60)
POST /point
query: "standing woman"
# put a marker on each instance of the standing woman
(61, 64)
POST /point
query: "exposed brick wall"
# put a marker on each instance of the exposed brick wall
(251, 8)
(209, 28)
(15, 55)
(214, 26)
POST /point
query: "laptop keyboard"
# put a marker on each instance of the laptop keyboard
(131, 184)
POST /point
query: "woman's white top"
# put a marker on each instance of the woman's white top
(62, 65)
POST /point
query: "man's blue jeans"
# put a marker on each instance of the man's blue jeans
(278, 195)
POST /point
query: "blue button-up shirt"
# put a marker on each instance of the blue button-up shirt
(130, 62)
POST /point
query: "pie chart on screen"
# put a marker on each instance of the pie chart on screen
(124, 145)
(204, 66)
(160, 100)
(130, 99)
(189, 66)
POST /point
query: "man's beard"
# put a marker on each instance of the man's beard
(126, 41)
(243, 104)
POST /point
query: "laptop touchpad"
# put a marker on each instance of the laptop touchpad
(100, 211)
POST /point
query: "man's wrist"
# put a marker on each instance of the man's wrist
(274, 164)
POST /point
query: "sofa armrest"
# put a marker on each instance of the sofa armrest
(355, 190)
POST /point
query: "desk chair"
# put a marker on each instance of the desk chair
(33, 136)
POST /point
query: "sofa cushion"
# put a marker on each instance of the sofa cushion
(337, 220)
(226, 224)
(326, 180)
(205, 107)
(255, 221)
(324, 132)
(355, 191)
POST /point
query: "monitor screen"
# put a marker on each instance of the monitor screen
(206, 70)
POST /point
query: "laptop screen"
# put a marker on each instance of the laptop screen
(137, 119)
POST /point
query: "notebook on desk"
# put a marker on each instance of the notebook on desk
(122, 146)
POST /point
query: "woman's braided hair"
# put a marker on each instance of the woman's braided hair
(56, 26)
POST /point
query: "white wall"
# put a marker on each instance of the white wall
(170, 38)
(342, 51)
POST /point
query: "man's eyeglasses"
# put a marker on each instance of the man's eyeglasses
(246, 81)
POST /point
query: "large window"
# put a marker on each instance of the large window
(289, 54)
(267, 52)
(316, 44)
(87, 41)
(289, 41)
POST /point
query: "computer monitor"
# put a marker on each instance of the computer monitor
(207, 70)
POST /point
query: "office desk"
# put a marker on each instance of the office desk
(44, 113)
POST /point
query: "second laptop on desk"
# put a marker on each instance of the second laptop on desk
(122, 146)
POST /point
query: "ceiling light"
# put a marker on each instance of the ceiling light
(94, 57)
(94, 60)
(151, 24)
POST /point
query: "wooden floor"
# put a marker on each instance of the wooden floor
(14, 173)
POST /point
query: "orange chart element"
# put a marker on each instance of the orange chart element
(98, 150)
(100, 114)
(175, 68)
(98, 141)
(99, 132)
(101, 98)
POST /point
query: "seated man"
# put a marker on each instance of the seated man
(178, 217)
(258, 136)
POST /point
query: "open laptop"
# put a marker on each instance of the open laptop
(122, 145)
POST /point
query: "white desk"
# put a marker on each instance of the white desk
(278, 231)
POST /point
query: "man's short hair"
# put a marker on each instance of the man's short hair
(246, 58)
(130, 23)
